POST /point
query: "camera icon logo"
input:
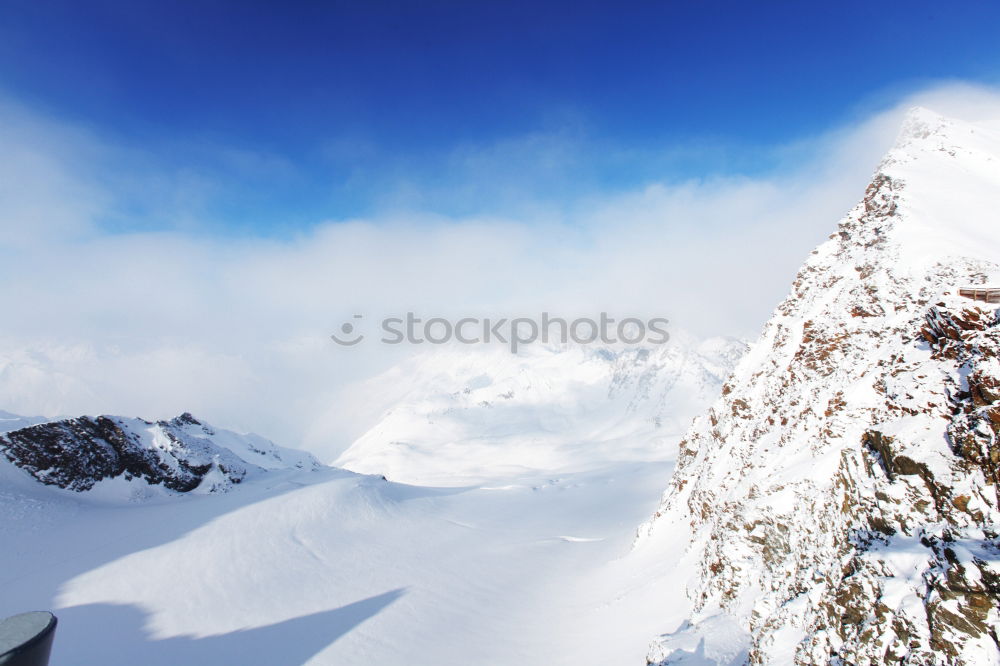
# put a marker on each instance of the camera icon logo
(347, 329)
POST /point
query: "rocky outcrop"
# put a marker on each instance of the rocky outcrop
(843, 492)
(181, 455)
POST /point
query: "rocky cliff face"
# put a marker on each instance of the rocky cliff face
(844, 492)
(181, 455)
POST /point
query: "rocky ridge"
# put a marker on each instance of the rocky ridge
(842, 494)
(180, 455)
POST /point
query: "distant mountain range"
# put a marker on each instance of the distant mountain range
(467, 416)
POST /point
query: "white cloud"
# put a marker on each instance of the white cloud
(43, 189)
(235, 329)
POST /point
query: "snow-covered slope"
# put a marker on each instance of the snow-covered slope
(10, 421)
(329, 566)
(841, 497)
(180, 455)
(464, 415)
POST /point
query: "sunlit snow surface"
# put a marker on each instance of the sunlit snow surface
(341, 568)
(515, 547)
(460, 416)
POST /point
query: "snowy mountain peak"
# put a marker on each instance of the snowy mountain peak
(924, 131)
(841, 495)
(181, 455)
(921, 124)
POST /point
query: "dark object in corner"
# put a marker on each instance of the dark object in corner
(26, 639)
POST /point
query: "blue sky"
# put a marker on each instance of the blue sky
(193, 196)
(265, 118)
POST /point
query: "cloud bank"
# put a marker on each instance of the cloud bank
(102, 316)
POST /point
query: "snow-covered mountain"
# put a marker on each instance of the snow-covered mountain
(10, 421)
(463, 415)
(840, 500)
(560, 451)
(181, 455)
(332, 566)
(838, 504)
